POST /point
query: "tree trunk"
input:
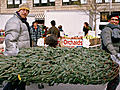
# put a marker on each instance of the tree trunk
(95, 17)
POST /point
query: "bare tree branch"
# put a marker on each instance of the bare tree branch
(95, 9)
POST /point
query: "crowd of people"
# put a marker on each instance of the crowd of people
(37, 32)
(20, 35)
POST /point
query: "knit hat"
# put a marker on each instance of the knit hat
(113, 15)
(23, 6)
(34, 22)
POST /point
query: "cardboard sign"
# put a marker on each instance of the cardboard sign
(71, 42)
(91, 33)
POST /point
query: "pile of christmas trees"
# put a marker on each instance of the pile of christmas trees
(59, 65)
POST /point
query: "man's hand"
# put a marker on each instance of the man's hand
(118, 56)
(115, 59)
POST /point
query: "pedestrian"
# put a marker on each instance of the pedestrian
(35, 32)
(53, 30)
(62, 33)
(86, 28)
(17, 36)
(110, 41)
(44, 32)
(60, 28)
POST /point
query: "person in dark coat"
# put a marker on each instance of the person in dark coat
(53, 30)
(61, 30)
(110, 41)
(86, 28)
(35, 32)
(44, 32)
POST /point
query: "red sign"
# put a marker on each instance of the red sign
(71, 42)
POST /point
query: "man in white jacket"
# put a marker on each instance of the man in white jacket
(17, 36)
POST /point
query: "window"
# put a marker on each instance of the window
(38, 3)
(83, 1)
(107, 1)
(98, 1)
(14, 3)
(104, 16)
(73, 2)
(117, 0)
(23, 1)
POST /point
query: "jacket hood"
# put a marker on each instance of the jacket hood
(18, 15)
(112, 26)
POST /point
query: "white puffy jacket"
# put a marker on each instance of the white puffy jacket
(17, 36)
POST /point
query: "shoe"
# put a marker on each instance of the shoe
(40, 86)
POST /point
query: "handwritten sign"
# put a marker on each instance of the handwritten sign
(71, 42)
(91, 33)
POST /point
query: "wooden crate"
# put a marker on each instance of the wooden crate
(98, 40)
(94, 41)
(91, 42)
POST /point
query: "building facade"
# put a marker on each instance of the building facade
(38, 7)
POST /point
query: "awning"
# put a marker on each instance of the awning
(40, 16)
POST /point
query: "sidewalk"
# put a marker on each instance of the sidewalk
(68, 87)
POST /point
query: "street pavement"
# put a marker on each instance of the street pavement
(68, 87)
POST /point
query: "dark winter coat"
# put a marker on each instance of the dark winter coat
(86, 29)
(35, 35)
(55, 31)
(17, 35)
(110, 39)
